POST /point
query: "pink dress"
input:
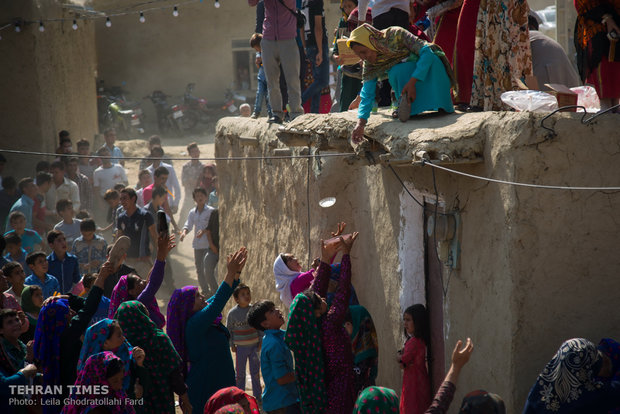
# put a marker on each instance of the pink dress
(416, 394)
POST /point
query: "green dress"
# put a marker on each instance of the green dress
(161, 358)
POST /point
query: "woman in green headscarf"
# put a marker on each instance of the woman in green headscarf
(31, 302)
(376, 400)
(415, 68)
(162, 360)
(365, 346)
(304, 339)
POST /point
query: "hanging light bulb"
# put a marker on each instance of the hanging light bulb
(142, 18)
(74, 26)
(41, 27)
(108, 22)
(18, 27)
(175, 11)
(217, 4)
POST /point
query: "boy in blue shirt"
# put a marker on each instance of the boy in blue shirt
(15, 253)
(37, 263)
(280, 395)
(31, 240)
(62, 265)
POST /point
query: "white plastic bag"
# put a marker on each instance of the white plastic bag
(533, 101)
(587, 97)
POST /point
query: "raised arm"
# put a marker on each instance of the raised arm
(338, 309)
(203, 319)
(445, 394)
(165, 243)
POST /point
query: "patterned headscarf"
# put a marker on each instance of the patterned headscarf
(227, 396)
(180, 309)
(568, 380)
(51, 324)
(364, 337)
(161, 357)
(304, 339)
(231, 409)
(26, 300)
(393, 46)
(376, 400)
(94, 338)
(482, 402)
(94, 373)
(120, 294)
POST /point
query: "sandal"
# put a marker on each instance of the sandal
(404, 108)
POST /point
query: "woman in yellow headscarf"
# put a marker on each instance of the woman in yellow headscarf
(413, 67)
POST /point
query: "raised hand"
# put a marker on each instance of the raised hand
(139, 355)
(347, 243)
(106, 270)
(340, 229)
(461, 356)
(236, 262)
(330, 250)
(165, 243)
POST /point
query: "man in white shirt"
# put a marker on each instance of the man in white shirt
(61, 188)
(108, 175)
(157, 153)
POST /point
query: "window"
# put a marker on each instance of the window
(244, 68)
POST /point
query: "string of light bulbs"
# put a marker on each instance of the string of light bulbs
(19, 24)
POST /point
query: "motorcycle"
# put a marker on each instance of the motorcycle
(194, 107)
(232, 101)
(169, 117)
(115, 111)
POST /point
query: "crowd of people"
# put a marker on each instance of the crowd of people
(423, 55)
(82, 259)
(83, 332)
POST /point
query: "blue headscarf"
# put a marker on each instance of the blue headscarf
(94, 338)
(51, 324)
(568, 383)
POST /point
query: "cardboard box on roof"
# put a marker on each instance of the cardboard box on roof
(563, 94)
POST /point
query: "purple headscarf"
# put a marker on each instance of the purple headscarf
(180, 309)
(120, 294)
(94, 372)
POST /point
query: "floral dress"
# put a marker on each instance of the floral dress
(502, 51)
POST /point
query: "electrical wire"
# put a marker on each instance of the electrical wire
(444, 287)
(267, 157)
(102, 14)
(405, 187)
(540, 186)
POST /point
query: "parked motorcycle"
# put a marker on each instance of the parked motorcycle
(196, 107)
(170, 118)
(115, 111)
(232, 101)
